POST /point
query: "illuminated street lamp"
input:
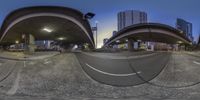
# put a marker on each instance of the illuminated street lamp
(47, 29)
(179, 42)
(89, 15)
(117, 41)
(17, 42)
(61, 38)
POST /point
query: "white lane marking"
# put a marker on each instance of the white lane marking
(24, 64)
(15, 86)
(31, 63)
(106, 73)
(198, 63)
(47, 62)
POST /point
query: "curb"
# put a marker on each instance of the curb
(27, 58)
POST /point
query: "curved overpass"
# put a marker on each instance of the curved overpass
(153, 32)
(66, 23)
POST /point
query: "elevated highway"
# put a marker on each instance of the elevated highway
(47, 23)
(150, 32)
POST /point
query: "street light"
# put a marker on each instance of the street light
(179, 42)
(89, 15)
(47, 29)
(17, 42)
(61, 38)
(96, 22)
(117, 41)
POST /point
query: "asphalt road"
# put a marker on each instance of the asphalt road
(171, 76)
(124, 70)
(162, 69)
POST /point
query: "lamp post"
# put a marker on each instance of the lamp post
(24, 38)
(96, 22)
(90, 15)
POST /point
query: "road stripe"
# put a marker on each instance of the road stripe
(15, 86)
(198, 63)
(24, 64)
(111, 74)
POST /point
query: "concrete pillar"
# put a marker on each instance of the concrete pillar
(139, 44)
(186, 47)
(152, 47)
(30, 44)
(130, 44)
(48, 44)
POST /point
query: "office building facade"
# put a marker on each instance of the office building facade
(130, 17)
(185, 26)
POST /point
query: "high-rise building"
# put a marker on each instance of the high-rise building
(130, 17)
(185, 26)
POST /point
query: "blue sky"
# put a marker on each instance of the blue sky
(162, 11)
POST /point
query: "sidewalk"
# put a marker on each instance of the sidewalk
(22, 56)
(196, 54)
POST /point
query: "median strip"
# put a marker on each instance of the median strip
(111, 74)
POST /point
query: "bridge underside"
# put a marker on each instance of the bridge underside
(149, 32)
(149, 37)
(60, 24)
(61, 29)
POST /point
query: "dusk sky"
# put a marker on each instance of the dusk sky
(161, 11)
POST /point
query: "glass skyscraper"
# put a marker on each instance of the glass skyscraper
(185, 26)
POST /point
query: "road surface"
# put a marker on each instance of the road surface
(123, 70)
(172, 76)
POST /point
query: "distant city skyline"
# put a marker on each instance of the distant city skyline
(106, 11)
